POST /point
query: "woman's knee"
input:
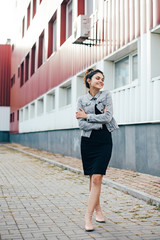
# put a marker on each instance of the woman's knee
(97, 179)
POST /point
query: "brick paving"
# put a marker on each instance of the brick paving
(40, 201)
(139, 181)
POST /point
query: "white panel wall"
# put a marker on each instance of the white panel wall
(137, 102)
(4, 118)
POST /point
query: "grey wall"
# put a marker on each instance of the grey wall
(66, 142)
(4, 136)
(135, 147)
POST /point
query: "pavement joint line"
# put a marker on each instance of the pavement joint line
(131, 191)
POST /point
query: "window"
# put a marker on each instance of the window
(12, 117)
(26, 115)
(80, 88)
(23, 27)
(33, 59)
(27, 68)
(65, 94)
(40, 106)
(18, 71)
(134, 67)
(88, 7)
(69, 19)
(32, 110)
(66, 21)
(34, 8)
(17, 115)
(12, 80)
(41, 50)
(68, 95)
(12, 47)
(50, 101)
(21, 115)
(22, 75)
(122, 72)
(28, 15)
(126, 70)
(52, 35)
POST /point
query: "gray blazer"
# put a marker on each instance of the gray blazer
(93, 121)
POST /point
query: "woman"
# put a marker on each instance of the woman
(95, 117)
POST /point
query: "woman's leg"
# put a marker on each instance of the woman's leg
(98, 211)
(95, 185)
(90, 183)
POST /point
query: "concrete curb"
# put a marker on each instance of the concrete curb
(133, 192)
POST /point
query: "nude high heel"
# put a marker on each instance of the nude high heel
(99, 215)
(88, 222)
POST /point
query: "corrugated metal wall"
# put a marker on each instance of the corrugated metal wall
(5, 74)
(117, 22)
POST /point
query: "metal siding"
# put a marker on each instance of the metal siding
(106, 27)
(114, 25)
(5, 74)
(157, 12)
(70, 59)
(137, 18)
(150, 14)
(81, 7)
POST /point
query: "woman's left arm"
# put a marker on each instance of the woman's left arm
(105, 117)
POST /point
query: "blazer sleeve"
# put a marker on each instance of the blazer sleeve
(83, 124)
(104, 117)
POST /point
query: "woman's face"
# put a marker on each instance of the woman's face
(97, 81)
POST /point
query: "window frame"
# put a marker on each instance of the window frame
(12, 80)
(40, 106)
(132, 55)
(63, 102)
(23, 27)
(22, 74)
(11, 117)
(67, 19)
(28, 15)
(18, 115)
(41, 50)
(33, 60)
(52, 45)
(27, 58)
(70, 98)
(51, 101)
(94, 7)
(32, 109)
(34, 8)
(131, 82)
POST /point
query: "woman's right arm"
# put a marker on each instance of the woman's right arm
(83, 124)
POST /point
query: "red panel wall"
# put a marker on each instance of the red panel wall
(69, 59)
(5, 74)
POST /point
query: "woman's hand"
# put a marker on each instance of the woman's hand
(105, 110)
(81, 114)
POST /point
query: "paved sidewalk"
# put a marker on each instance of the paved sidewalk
(143, 186)
(40, 201)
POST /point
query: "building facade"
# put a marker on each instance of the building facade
(123, 42)
(5, 73)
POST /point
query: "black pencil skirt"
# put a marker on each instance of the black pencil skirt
(96, 151)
